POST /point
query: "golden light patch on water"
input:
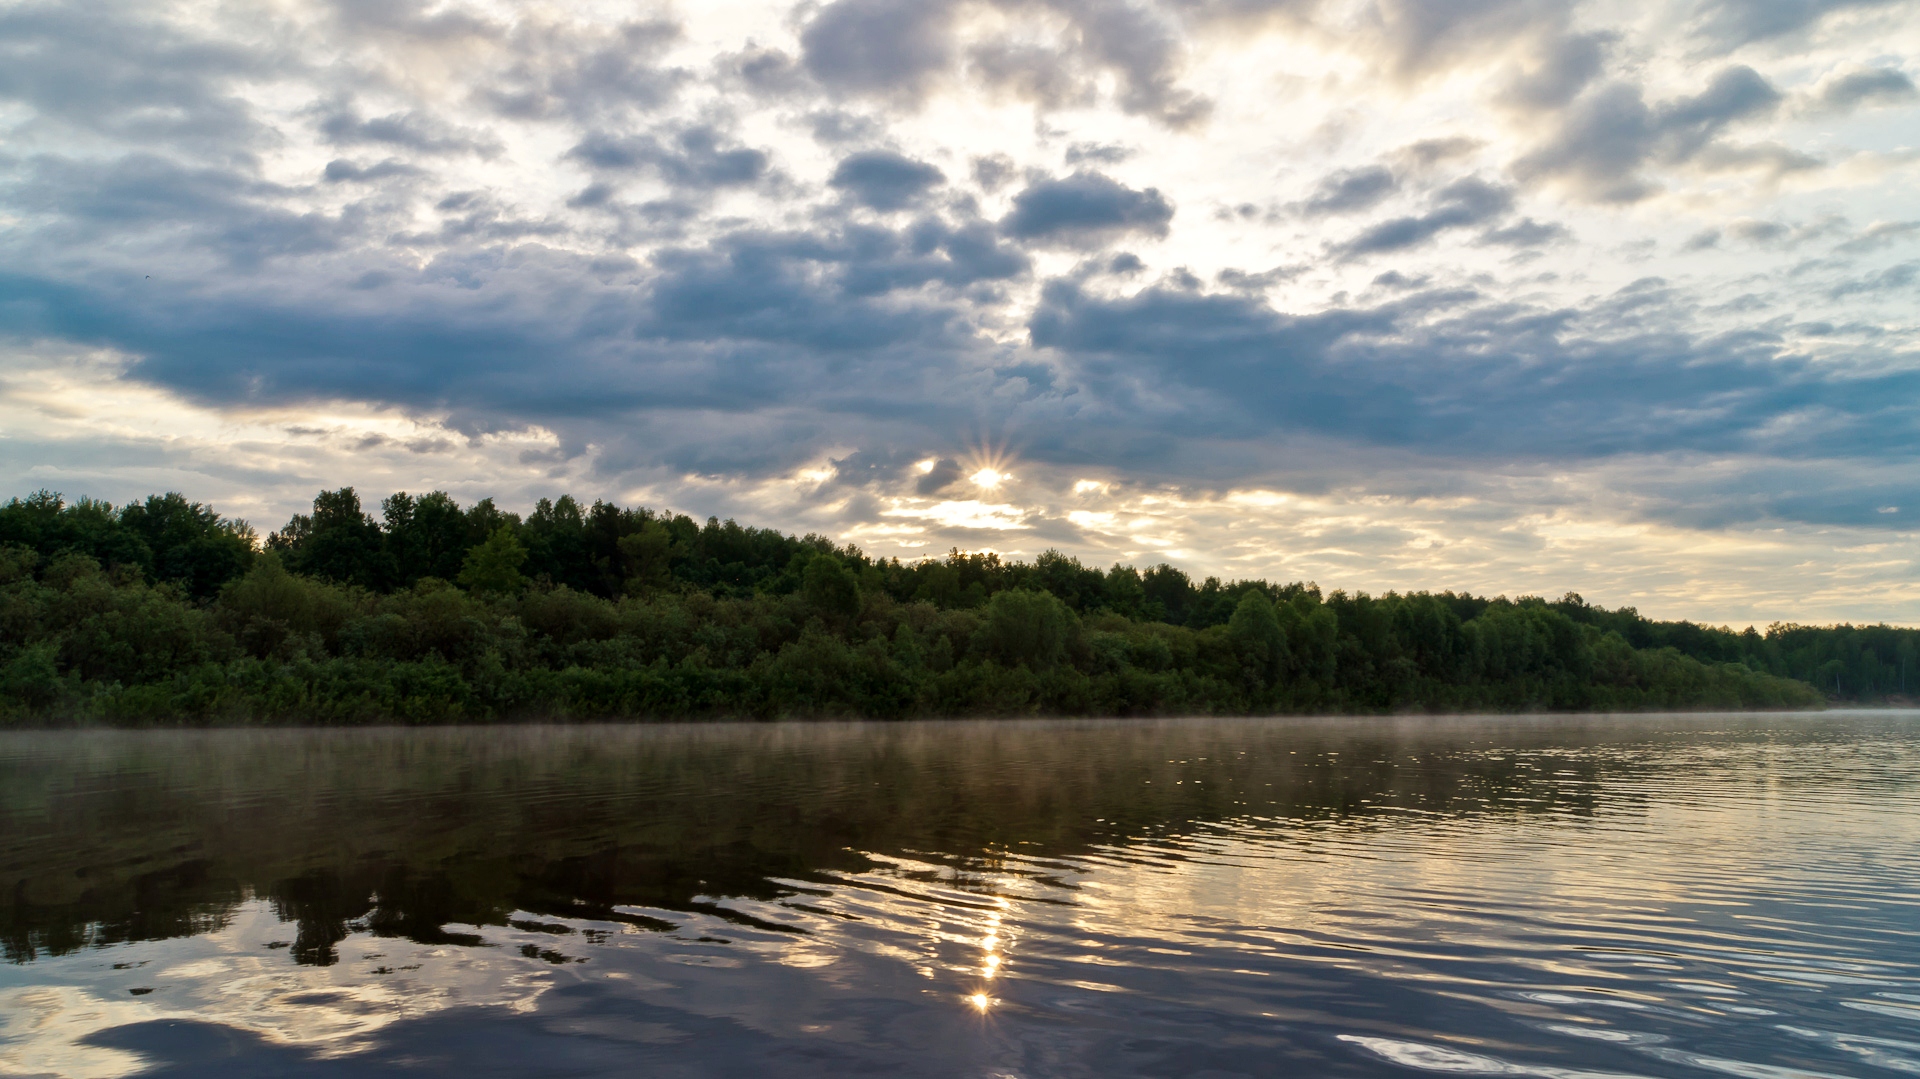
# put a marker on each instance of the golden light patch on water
(43, 1030)
(328, 1012)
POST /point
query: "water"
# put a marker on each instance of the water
(1560, 898)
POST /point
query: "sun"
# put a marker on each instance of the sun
(989, 466)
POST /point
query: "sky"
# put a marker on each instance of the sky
(1508, 296)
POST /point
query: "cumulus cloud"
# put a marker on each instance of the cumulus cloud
(1085, 209)
(1864, 86)
(1606, 139)
(695, 157)
(1461, 204)
(884, 180)
(1349, 190)
(884, 48)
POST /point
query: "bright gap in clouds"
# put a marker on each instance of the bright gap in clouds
(1507, 296)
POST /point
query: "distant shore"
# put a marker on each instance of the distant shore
(163, 613)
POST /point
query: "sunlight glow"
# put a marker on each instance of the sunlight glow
(980, 1001)
(971, 513)
(925, 466)
(989, 477)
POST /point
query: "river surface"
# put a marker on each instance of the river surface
(1562, 898)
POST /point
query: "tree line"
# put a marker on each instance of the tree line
(163, 611)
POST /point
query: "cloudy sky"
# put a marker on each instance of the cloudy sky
(1504, 295)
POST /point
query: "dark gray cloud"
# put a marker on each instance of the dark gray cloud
(1527, 233)
(340, 171)
(1418, 372)
(1606, 138)
(146, 206)
(884, 180)
(1461, 204)
(1086, 208)
(694, 157)
(1350, 190)
(946, 472)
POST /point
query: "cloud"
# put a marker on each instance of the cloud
(1732, 23)
(1527, 233)
(1097, 153)
(768, 72)
(1864, 86)
(834, 126)
(945, 473)
(111, 70)
(1350, 190)
(1560, 70)
(1419, 372)
(1890, 279)
(992, 171)
(1879, 234)
(884, 180)
(882, 48)
(1145, 52)
(1425, 154)
(694, 157)
(1415, 39)
(226, 211)
(1035, 73)
(1461, 204)
(405, 130)
(588, 73)
(1085, 209)
(340, 170)
(1606, 138)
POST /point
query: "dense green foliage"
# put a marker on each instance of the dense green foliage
(163, 612)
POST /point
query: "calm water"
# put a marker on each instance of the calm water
(1562, 898)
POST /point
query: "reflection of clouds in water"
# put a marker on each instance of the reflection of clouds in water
(43, 1027)
(330, 1011)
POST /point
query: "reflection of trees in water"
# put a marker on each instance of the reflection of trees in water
(386, 899)
(407, 833)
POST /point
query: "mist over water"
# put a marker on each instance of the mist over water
(1559, 897)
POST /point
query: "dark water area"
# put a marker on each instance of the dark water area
(1565, 898)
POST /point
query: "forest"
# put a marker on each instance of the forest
(163, 612)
